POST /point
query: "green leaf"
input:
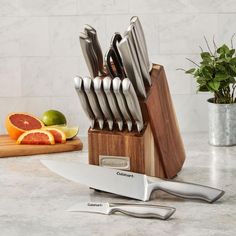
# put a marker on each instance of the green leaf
(206, 55)
(203, 88)
(231, 53)
(214, 85)
(190, 71)
(220, 77)
(223, 49)
(233, 60)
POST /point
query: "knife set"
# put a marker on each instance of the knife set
(127, 99)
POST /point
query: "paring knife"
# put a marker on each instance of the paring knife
(133, 103)
(107, 86)
(78, 81)
(131, 66)
(129, 184)
(102, 99)
(89, 54)
(89, 90)
(140, 55)
(141, 38)
(135, 210)
(117, 88)
(92, 34)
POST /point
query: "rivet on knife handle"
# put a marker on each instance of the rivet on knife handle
(133, 103)
(88, 87)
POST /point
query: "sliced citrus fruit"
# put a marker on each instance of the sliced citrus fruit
(53, 117)
(70, 132)
(18, 123)
(58, 135)
(36, 136)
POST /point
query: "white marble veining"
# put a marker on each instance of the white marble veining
(33, 200)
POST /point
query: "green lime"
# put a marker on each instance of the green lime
(70, 132)
(53, 117)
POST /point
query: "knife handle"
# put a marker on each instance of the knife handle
(144, 211)
(184, 190)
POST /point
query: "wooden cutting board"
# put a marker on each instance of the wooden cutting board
(9, 148)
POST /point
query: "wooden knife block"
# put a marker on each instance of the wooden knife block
(157, 151)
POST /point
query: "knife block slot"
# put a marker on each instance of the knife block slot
(157, 151)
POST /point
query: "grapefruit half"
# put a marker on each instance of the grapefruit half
(36, 136)
(18, 123)
(58, 135)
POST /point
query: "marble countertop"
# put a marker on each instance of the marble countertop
(33, 200)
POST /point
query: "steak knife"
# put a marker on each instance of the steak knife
(102, 99)
(107, 86)
(78, 81)
(117, 88)
(89, 90)
(131, 66)
(135, 210)
(129, 184)
(133, 103)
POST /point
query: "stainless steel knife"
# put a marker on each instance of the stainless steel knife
(78, 81)
(107, 86)
(102, 99)
(89, 54)
(89, 90)
(143, 67)
(117, 88)
(141, 38)
(92, 33)
(133, 103)
(135, 210)
(131, 65)
(129, 184)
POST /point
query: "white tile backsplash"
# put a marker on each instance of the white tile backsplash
(40, 52)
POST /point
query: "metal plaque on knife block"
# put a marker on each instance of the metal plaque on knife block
(157, 151)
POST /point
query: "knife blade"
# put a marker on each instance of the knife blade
(89, 54)
(140, 55)
(117, 88)
(133, 103)
(141, 38)
(135, 210)
(129, 184)
(78, 81)
(102, 99)
(107, 86)
(131, 66)
(92, 33)
(89, 90)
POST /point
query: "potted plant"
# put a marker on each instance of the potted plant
(216, 74)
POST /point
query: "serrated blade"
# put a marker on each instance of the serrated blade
(119, 182)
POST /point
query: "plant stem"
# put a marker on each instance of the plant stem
(208, 45)
(192, 62)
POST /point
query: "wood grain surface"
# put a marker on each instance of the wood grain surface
(9, 148)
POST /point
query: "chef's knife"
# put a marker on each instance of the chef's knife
(143, 67)
(89, 90)
(107, 86)
(133, 103)
(91, 32)
(117, 88)
(135, 210)
(129, 184)
(102, 99)
(89, 54)
(141, 38)
(131, 66)
(78, 81)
